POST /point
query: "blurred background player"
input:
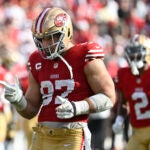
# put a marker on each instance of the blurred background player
(3, 127)
(25, 125)
(133, 85)
(6, 119)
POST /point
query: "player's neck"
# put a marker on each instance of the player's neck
(70, 44)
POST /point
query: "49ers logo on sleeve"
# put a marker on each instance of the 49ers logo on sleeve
(60, 20)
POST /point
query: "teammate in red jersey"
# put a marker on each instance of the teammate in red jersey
(66, 83)
(133, 85)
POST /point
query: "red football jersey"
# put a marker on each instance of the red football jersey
(136, 90)
(55, 79)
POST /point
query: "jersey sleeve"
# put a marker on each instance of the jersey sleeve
(94, 51)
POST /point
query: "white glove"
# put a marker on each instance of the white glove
(69, 109)
(117, 127)
(65, 110)
(14, 94)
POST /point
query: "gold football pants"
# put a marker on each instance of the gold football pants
(140, 140)
(46, 138)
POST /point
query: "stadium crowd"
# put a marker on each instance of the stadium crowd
(111, 23)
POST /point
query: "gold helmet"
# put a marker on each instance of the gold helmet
(138, 52)
(52, 22)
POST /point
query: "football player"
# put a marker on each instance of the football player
(66, 83)
(133, 85)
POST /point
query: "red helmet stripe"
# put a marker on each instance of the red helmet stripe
(39, 21)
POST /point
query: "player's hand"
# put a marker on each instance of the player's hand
(13, 93)
(65, 110)
(117, 127)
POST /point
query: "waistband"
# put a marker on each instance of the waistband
(50, 131)
(69, 125)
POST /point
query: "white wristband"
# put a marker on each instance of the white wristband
(81, 107)
(21, 105)
(101, 102)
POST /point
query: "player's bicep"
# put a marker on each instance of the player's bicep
(99, 79)
(33, 92)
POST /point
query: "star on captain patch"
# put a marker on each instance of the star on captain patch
(55, 65)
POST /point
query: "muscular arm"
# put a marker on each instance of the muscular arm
(103, 98)
(122, 105)
(117, 126)
(33, 98)
(99, 80)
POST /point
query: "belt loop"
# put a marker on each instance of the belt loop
(51, 132)
(36, 129)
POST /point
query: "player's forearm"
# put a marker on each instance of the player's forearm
(99, 102)
(96, 103)
(122, 110)
(29, 111)
(122, 106)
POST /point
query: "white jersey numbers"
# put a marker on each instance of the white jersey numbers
(47, 89)
(69, 84)
(141, 105)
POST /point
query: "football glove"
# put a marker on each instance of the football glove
(69, 109)
(14, 94)
(117, 127)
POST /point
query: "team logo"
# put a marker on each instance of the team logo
(60, 20)
(138, 81)
(55, 65)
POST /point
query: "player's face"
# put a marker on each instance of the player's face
(50, 42)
